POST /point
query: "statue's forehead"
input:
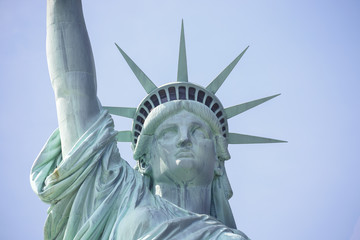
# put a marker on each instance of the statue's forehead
(182, 118)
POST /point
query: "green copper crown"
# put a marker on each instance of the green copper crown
(183, 90)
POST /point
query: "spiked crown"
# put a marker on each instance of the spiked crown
(184, 90)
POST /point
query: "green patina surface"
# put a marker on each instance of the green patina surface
(179, 188)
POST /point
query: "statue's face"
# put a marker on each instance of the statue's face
(184, 151)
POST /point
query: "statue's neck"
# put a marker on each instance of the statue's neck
(193, 198)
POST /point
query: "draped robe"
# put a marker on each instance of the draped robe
(94, 194)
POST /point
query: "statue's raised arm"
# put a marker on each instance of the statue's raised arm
(72, 70)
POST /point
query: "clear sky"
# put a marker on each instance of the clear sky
(308, 188)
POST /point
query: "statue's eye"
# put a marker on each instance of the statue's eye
(200, 133)
(167, 134)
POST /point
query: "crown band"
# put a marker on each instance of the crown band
(177, 91)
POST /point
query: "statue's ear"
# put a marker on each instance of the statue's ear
(143, 165)
(222, 151)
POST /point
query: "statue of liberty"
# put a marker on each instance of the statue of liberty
(179, 188)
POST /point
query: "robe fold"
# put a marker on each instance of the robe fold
(94, 194)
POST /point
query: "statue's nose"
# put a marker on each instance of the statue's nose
(184, 140)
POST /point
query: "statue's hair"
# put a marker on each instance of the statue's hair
(166, 110)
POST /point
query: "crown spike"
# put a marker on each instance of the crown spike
(237, 109)
(147, 84)
(121, 111)
(124, 136)
(182, 75)
(236, 138)
(219, 80)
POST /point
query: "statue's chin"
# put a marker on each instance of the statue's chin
(186, 162)
(186, 170)
(183, 170)
(187, 166)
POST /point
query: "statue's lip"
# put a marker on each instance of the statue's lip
(184, 154)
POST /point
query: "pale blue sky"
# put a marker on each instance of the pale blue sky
(307, 50)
